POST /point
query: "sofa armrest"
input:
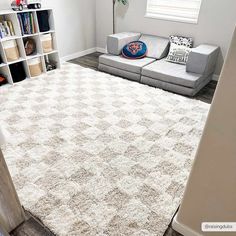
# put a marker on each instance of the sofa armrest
(202, 60)
(116, 42)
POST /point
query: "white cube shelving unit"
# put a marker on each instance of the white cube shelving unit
(53, 55)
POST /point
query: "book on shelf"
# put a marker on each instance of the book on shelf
(27, 23)
(6, 28)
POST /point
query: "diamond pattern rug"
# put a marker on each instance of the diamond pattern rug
(94, 154)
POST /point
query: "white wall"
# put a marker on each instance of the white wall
(104, 22)
(75, 24)
(216, 23)
(85, 24)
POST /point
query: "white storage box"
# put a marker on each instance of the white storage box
(35, 67)
(11, 50)
(47, 44)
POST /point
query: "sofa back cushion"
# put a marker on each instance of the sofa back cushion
(116, 42)
(202, 59)
(157, 47)
(182, 41)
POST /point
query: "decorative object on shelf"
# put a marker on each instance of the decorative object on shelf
(125, 2)
(30, 46)
(35, 67)
(49, 64)
(3, 80)
(46, 40)
(135, 50)
(19, 5)
(11, 50)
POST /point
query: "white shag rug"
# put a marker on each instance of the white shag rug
(94, 154)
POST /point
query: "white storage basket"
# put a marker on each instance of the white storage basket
(47, 44)
(11, 50)
(35, 67)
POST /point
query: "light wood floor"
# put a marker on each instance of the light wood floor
(31, 227)
(91, 61)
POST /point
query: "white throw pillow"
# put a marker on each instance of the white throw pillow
(179, 40)
(178, 54)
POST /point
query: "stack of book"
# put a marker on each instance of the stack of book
(27, 23)
(6, 28)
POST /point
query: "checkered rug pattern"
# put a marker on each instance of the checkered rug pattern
(94, 154)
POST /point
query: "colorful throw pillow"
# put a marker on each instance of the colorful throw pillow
(179, 40)
(135, 50)
(178, 54)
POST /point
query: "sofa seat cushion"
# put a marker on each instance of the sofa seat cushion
(119, 62)
(172, 73)
(118, 72)
(174, 87)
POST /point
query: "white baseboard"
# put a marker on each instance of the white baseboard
(102, 50)
(82, 53)
(78, 54)
(183, 229)
(215, 77)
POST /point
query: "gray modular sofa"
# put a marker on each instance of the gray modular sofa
(154, 70)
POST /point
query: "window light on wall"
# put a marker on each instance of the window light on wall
(175, 10)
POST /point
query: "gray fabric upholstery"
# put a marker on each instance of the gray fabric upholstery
(116, 42)
(154, 70)
(175, 88)
(158, 47)
(122, 63)
(202, 59)
(172, 73)
(119, 72)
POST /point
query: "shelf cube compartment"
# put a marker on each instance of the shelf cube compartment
(5, 73)
(28, 23)
(32, 46)
(10, 23)
(17, 72)
(11, 50)
(52, 61)
(47, 42)
(45, 20)
(35, 66)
